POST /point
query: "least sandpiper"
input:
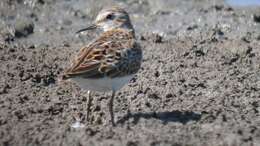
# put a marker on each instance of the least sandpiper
(111, 60)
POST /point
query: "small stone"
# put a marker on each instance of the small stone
(154, 37)
(66, 44)
(229, 9)
(4, 88)
(192, 27)
(31, 47)
(161, 12)
(132, 143)
(157, 74)
(258, 37)
(142, 38)
(148, 104)
(218, 7)
(157, 38)
(256, 18)
(23, 28)
(169, 95)
(37, 78)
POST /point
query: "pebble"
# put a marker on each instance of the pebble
(256, 18)
(258, 37)
(154, 37)
(23, 28)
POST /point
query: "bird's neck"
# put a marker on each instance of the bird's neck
(120, 33)
(123, 30)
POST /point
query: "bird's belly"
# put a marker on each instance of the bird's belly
(103, 84)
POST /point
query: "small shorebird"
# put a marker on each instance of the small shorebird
(111, 60)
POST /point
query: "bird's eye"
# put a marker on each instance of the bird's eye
(110, 17)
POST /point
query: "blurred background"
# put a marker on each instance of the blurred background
(54, 22)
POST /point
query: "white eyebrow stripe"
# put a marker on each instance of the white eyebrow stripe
(100, 17)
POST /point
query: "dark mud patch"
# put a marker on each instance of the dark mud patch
(189, 91)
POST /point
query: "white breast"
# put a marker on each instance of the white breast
(103, 84)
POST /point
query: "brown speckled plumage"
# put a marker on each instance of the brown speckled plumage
(115, 53)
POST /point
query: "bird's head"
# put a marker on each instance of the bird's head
(111, 18)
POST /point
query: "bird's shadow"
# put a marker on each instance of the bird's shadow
(166, 117)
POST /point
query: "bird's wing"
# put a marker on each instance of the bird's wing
(102, 57)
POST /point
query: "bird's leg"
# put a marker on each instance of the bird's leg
(89, 99)
(76, 92)
(110, 105)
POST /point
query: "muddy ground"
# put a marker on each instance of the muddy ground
(199, 84)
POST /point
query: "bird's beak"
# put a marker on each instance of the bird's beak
(94, 26)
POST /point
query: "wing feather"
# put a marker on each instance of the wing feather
(101, 57)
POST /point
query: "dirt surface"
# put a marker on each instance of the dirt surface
(199, 84)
